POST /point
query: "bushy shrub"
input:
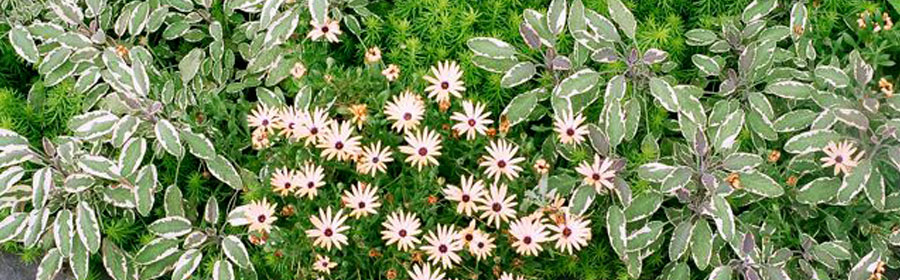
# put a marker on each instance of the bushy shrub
(437, 139)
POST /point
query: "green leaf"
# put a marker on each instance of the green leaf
(282, 28)
(173, 202)
(78, 182)
(678, 178)
(664, 94)
(199, 145)
(643, 206)
(37, 222)
(820, 190)
(721, 273)
(80, 260)
(707, 65)
(12, 226)
(615, 88)
(222, 169)
(236, 252)
(492, 48)
(88, 227)
(790, 90)
(832, 76)
(23, 44)
(222, 270)
(41, 186)
(614, 121)
(604, 28)
(644, 236)
(741, 162)
(187, 264)
(623, 17)
(521, 106)
(701, 244)
(168, 136)
(723, 217)
(854, 183)
(680, 271)
(556, 16)
(10, 139)
(727, 133)
(794, 120)
(700, 37)
(93, 125)
(681, 238)
(863, 269)
(131, 156)
(758, 9)
(318, 10)
(655, 172)
(852, 117)
(875, 190)
(156, 250)
(810, 141)
(99, 166)
(145, 188)
(798, 19)
(760, 184)
(211, 213)
(138, 18)
(518, 74)
(582, 198)
(190, 64)
(615, 224)
(494, 65)
(170, 227)
(64, 231)
(50, 265)
(114, 261)
(572, 87)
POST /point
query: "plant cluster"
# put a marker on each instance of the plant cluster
(273, 139)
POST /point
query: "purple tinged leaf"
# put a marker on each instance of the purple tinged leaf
(654, 56)
(751, 274)
(530, 36)
(605, 55)
(748, 245)
(561, 63)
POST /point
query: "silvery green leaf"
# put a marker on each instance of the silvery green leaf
(190, 64)
(12, 225)
(352, 24)
(53, 60)
(10, 139)
(634, 264)
(854, 183)
(775, 33)
(741, 162)
(59, 74)
(832, 76)
(581, 199)
(114, 261)
(538, 23)
(572, 87)
(68, 11)
(88, 227)
(758, 9)
(145, 188)
(123, 129)
(632, 118)
(687, 97)
(223, 170)
(236, 252)
(820, 190)
(723, 217)
(270, 8)
(761, 125)
(644, 236)
(863, 269)
(491, 48)
(50, 265)
(643, 206)
(852, 117)
(283, 26)
(521, 106)
(79, 261)
(681, 238)
(41, 185)
(605, 55)
(318, 10)
(87, 79)
(170, 227)
(173, 202)
(664, 93)
(222, 270)
(676, 179)
(74, 41)
(211, 213)
(556, 16)
(156, 250)
(169, 137)
(45, 31)
(140, 78)
(132, 155)
(655, 172)
(727, 133)
(753, 28)
(493, 65)
(798, 20)
(760, 184)
(875, 190)
(604, 28)
(187, 264)
(99, 166)
(37, 222)
(64, 231)
(576, 20)
(700, 37)
(194, 240)
(122, 197)
(707, 65)
(623, 17)
(616, 225)
(681, 271)
(810, 141)
(615, 88)
(10, 177)
(518, 74)
(156, 18)
(175, 30)
(614, 122)
(198, 144)
(794, 120)
(139, 16)
(720, 273)
(78, 182)
(10, 157)
(701, 244)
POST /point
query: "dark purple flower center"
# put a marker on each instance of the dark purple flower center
(375, 160)
(325, 29)
(501, 163)
(407, 116)
(567, 231)
(596, 177)
(471, 122)
(839, 159)
(526, 240)
(313, 130)
(261, 218)
(445, 85)
(465, 198)
(442, 248)
(265, 122)
(480, 245)
(339, 145)
(328, 232)
(496, 207)
(423, 151)
(402, 233)
(469, 237)
(362, 205)
(310, 185)
(570, 132)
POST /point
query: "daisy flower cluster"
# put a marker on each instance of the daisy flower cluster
(486, 202)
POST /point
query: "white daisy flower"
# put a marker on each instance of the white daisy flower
(528, 233)
(263, 117)
(482, 245)
(391, 73)
(330, 29)
(600, 174)
(496, 206)
(373, 159)
(442, 247)
(284, 181)
(362, 199)
(510, 276)
(840, 155)
(469, 191)
(405, 110)
(373, 55)
(447, 81)
(311, 178)
(473, 120)
(571, 233)
(424, 272)
(501, 160)
(313, 125)
(260, 215)
(339, 143)
(289, 123)
(323, 264)
(401, 228)
(422, 148)
(569, 129)
(328, 229)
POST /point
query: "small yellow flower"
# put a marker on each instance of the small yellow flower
(360, 114)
